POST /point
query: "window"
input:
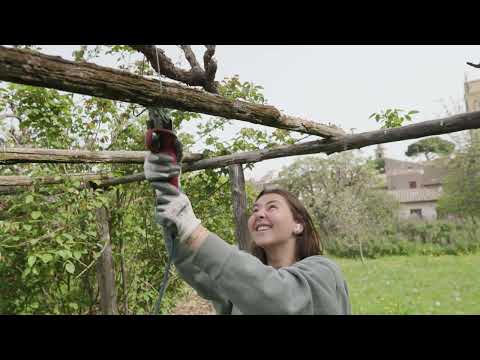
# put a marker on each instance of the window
(412, 184)
(416, 213)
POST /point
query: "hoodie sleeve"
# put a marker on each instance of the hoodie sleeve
(200, 280)
(311, 286)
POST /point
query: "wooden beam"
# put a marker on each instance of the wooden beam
(33, 68)
(239, 203)
(9, 156)
(446, 125)
(450, 124)
(105, 265)
(49, 180)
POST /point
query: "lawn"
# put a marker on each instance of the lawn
(414, 284)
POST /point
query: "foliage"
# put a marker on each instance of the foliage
(340, 194)
(461, 188)
(412, 237)
(392, 118)
(48, 234)
(432, 145)
(358, 219)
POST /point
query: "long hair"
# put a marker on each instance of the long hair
(308, 242)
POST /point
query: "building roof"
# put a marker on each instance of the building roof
(394, 166)
(415, 195)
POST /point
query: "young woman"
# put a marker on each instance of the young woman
(285, 272)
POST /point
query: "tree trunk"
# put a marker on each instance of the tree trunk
(105, 266)
(33, 68)
(239, 202)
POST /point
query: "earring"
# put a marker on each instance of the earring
(297, 229)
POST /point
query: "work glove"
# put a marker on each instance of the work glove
(171, 205)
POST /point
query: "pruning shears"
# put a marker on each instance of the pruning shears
(160, 138)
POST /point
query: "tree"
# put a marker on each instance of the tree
(340, 193)
(429, 146)
(461, 189)
(49, 239)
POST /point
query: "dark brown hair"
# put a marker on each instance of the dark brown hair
(308, 242)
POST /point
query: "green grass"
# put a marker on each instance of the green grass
(414, 284)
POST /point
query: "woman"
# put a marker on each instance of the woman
(284, 274)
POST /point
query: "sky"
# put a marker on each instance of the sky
(341, 84)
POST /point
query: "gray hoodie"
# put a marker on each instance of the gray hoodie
(238, 283)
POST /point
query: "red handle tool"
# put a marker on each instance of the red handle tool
(163, 141)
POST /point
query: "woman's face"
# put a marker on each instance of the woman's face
(271, 222)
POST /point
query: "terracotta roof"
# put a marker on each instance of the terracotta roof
(415, 195)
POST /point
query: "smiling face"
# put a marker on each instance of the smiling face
(272, 223)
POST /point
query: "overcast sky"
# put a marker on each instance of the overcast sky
(343, 84)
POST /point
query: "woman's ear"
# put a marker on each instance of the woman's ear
(298, 229)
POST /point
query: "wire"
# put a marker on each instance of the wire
(169, 235)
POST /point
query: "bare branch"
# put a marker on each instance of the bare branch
(9, 156)
(191, 58)
(210, 66)
(207, 57)
(474, 65)
(164, 63)
(446, 125)
(193, 77)
(49, 180)
(38, 69)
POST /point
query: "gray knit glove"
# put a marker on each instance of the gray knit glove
(172, 206)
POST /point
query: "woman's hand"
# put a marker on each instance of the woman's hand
(172, 206)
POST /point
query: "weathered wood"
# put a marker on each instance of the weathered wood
(196, 76)
(49, 180)
(33, 68)
(9, 156)
(10, 185)
(329, 146)
(194, 162)
(105, 266)
(427, 128)
(239, 203)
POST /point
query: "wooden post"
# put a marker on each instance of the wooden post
(105, 266)
(239, 202)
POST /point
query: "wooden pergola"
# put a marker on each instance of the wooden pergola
(33, 68)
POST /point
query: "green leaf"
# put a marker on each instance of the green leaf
(35, 215)
(46, 258)
(65, 254)
(28, 199)
(27, 227)
(67, 236)
(77, 254)
(70, 267)
(31, 260)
